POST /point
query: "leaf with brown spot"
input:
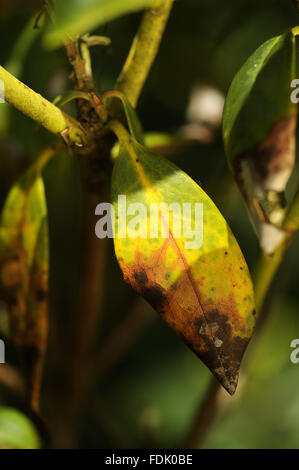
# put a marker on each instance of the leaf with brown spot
(203, 292)
(24, 272)
(37, 314)
(259, 125)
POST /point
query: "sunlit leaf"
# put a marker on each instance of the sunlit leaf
(202, 290)
(74, 17)
(17, 431)
(259, 133)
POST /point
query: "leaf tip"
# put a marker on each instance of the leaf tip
(229, 382)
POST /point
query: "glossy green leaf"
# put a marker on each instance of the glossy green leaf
(17, 431)
(259, 124)
(202, 290)
(74, 17)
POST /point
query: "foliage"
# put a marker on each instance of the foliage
(102, 143)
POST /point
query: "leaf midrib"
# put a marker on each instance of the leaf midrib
(146, 183)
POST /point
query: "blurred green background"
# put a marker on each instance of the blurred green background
(141, 385)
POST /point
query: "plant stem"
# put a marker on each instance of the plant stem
(135, 320)
(143, 51)
(292, 219)
(40, 110)
(90, 299)
(93, 270)
(87, 64)
(264, 272)
(204, 416)
(82, 77)
(46, 156)
(266, 266)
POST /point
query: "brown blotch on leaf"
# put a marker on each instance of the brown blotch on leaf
(208, 329)
(10, 274)
(12, 267)
(272, 160)
(217, 332)
(152, 292)
(262, 174)
(141, 277)
(41, 295)
(155, 296)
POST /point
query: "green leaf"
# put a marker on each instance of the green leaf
(203, 291)
(15, 64)
(24, 272)
(259, 124)
(71, 95)
(134, 124)
(17, 431)
(74, 17)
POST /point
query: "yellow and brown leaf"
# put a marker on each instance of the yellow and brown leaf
(24, 273)
(204, 294)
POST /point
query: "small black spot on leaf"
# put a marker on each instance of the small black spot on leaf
(141, 278)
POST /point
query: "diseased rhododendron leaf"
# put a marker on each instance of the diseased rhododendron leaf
(259, 123)
(24, 272)
(37, 313)
(203, 292)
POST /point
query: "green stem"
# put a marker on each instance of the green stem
(46, 156)
(266, 266)
(204, 416)
(291, 223)
(85, 53)
(40, 110)
(143, 51)
(264, 272)
(295, 30)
